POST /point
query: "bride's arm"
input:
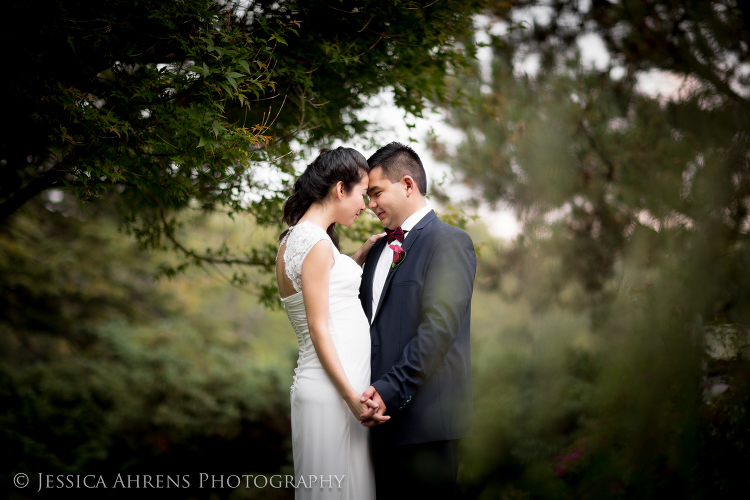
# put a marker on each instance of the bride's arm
(316, 270)
(361, 255)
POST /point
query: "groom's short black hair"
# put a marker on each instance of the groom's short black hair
(398, 160)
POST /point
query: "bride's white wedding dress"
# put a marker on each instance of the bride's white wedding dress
(327, 439)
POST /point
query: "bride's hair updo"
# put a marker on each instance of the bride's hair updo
(331, 166)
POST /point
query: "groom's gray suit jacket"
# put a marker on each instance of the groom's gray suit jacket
(421, 360)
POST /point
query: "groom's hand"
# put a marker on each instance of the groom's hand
(370, 408)
(379, 417)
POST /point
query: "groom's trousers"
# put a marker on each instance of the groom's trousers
(409, 472)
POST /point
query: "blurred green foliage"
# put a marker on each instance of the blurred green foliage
(104, 369)
(633, 267)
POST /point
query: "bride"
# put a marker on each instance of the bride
(319, 287)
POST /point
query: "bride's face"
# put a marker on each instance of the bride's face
(351, 204)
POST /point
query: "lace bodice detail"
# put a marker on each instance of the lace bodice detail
(299, 241)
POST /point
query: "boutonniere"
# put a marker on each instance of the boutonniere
(399, 254)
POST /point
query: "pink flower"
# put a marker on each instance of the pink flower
(398, 254)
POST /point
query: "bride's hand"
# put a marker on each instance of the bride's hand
(361, 410)
(361, 254)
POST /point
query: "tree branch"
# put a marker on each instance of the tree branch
(192, 253)
(600, 153)
(33, 188)
(334, 8)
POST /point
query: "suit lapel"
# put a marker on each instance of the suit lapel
(370, 265)
(408, 243)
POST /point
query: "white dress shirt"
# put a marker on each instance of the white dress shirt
(386, 258)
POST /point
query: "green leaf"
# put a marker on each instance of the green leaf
(278, 38)
(197, 69)
(226, 89)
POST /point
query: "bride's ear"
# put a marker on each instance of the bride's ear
(339, 190)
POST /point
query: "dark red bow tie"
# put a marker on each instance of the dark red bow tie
(395, 234)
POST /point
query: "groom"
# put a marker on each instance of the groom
(416, 291)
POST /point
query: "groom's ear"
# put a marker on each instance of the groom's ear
(409, 184)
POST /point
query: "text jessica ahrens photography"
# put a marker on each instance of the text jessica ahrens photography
(183, 481)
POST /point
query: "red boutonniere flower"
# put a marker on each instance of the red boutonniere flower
(399, 254)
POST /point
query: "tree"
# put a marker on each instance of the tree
(170, 105)
(584, 153)
(636, 211)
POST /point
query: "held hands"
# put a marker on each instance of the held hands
(361, 409)
(361, 254)
(376, 412)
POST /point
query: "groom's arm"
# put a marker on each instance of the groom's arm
(448, 286)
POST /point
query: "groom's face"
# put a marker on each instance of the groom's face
(387, 199)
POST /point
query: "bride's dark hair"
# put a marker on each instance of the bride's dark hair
(331, 166)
